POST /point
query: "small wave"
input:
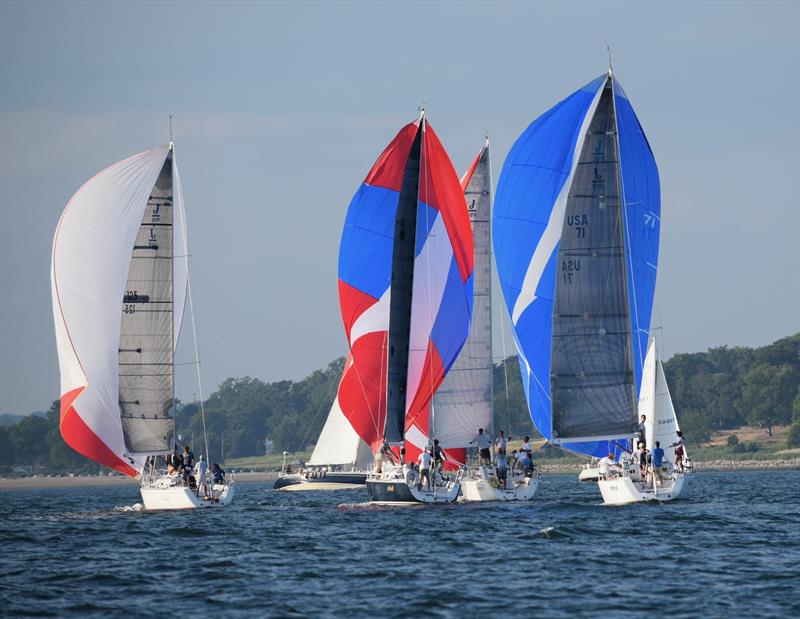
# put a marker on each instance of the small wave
(562, 532)
(550, 533)
(367, 506)
(136, 507)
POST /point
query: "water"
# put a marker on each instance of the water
(731, 550)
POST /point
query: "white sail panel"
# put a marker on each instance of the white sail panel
(180, 263)
(463, 402)
(661, 423)
(90, 261)
(339, 444)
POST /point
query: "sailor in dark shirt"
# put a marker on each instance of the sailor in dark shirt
(188, 463)
(439, 457)
(643, 432)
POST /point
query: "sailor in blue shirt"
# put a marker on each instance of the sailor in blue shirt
(658, 461)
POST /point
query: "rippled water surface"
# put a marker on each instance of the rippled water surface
(732, 550)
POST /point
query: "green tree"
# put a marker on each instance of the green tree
(29, 440)
(695, 425)
(793, 439)
(767, 394)
(511, 413)
(6, 447)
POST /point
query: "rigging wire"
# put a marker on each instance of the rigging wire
(502, 327)
(193, 321)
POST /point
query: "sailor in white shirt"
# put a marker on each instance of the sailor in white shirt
(425, 468)
(501, 443)
(607, 466)
(200, 470)
(526, 454)
(484, 444)
(679, 445)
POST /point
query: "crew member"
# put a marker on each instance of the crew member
(439, 457)
(642, 428)
(187, 463)
(425, 468)
(200, 471)
(608, 466)
(658, 462)
(678, 445)
(484, 444)
(501, 443)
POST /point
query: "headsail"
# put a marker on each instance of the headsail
(576, 244)
(94, 256)
(464, 400)
(655, 402)
(405, 283)
(339, 443)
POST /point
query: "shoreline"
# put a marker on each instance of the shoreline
(88, 481)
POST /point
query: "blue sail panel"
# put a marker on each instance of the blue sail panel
(642, 192)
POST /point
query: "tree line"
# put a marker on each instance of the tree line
(722, 388)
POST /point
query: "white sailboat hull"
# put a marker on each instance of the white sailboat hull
(623, 490)
(155, 497)
(589, 473)
(482, 485)
(481, 490)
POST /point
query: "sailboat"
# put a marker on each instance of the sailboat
(341, 458)
(405, 291)
(661, 425)
(576, 232)
(119, 279)
(464, 402)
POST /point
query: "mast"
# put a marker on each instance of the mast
(402, 284)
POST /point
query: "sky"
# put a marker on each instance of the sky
(280, 109)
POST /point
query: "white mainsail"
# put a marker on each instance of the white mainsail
(463, 402)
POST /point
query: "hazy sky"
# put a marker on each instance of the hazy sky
(280, 110)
